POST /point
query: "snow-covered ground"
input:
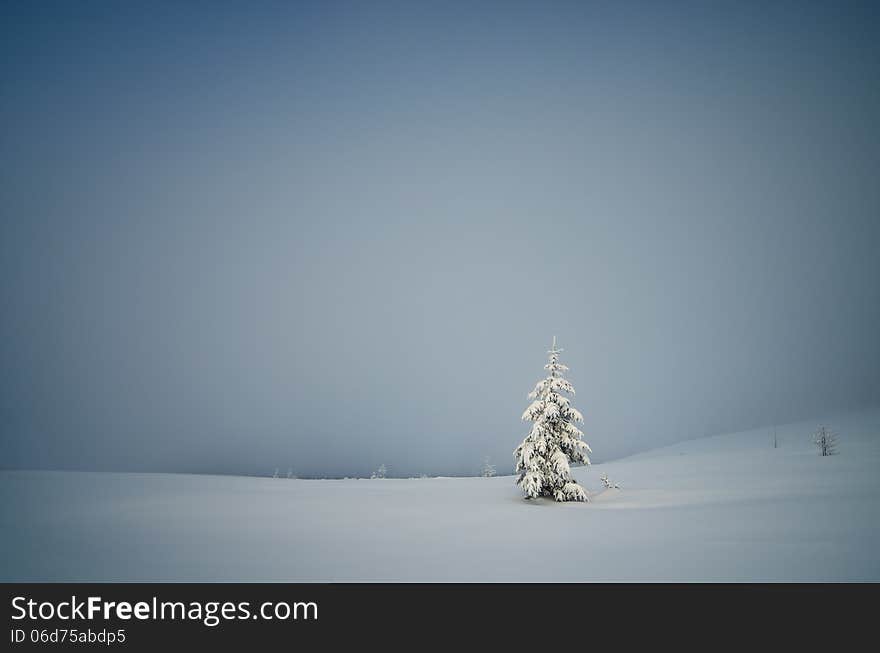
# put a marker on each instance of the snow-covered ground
(723, 508)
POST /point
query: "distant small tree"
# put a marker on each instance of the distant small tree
(487, 470)
(775, 441)
(608, 483)
(380, 473)
(826, 441)
(275, 475)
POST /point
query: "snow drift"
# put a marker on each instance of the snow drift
(723, 508)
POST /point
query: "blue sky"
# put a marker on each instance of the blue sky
(239, 236)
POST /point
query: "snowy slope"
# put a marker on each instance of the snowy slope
(723, 508)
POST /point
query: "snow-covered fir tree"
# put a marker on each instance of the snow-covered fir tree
(608, 483)
(380, 473)
(826, 441)
(487, 470)
(542, 460)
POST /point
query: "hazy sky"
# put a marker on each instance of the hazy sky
(240, 236)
